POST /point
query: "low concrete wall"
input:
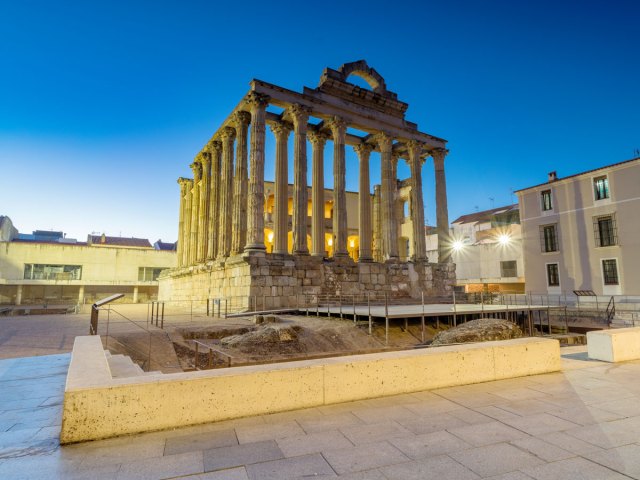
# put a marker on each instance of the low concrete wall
(618, 345)
(97, 406)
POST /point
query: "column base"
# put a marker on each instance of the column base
(255, 247)
(341, 254)
(365, 259)
(301, 252)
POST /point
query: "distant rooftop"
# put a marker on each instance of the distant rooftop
(160, 245)
(486, 215)
(105, 240)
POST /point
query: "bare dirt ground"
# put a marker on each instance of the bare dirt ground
(127, 330)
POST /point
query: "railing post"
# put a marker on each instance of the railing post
(386, 319)
(422, 317)
(369, 308)
(455, 312)
(225, 308)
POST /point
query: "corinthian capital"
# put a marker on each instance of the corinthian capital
(196, 168)
(317, 138)
(184, 184)
(337, 125)
(438, 155)
(281, 129)
(241, 118)
(363, 150)
(299, 114)
(256, 100)
(227, 133)
(214, 146)
(384, 141)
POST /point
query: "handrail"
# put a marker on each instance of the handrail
(611, 310)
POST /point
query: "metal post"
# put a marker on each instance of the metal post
(354, 308)
(147, 314)
(386, 319)
(207, 307)
(529, 320)
(548, 320)
(106, 340)
(162, 325)
(422, 317)
(225, 308)
(369, 308)
(455, 316)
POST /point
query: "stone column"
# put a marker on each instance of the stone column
(365, 228)
(255, 214)
(389, 234)
(318, 141)
(183, 182)
(377, 225)
(215, 149)
(442, 212)
(338, 131)
(203, 209)
(299, 116)
(281, 130)
(186, 233)
(417, 202)
(195, 212)
(225, 213)
(239, 238)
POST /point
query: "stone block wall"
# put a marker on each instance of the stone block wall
(282, 279)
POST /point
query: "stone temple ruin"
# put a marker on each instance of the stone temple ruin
(227, 221)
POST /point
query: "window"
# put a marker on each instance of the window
(546, 201)
(36, 271)
(601, 187)
(509, 268)
(549, 238)
(149, 274)
(604, 229)
(553, 279)
(610, 271)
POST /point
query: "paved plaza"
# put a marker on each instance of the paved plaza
(581, 423)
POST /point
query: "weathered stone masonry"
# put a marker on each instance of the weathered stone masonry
(222, 210)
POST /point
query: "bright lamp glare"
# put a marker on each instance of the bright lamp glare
(504, 239)
(457, 245)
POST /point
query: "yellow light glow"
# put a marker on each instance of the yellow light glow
(270, 237)
(457, 245)
(330, 242)
(352, 243)
(504, 239)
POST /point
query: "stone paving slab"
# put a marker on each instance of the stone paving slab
(564, 425)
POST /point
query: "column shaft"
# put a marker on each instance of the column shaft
(226, 193)
(281, 200)
(442, 212)
(388, 222)
(181, 220)
(203, 209)
(318, 141)
(365, 229)
(338, 130)
(239, 238)
(417, 202)
(299, 115)
(255, 213)
(215, 149)
(186, 232)
(195, 207)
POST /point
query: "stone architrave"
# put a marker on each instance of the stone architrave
(215, 150)
(388, 222)
(239, 235)
(442, 212)
(364, 203)
(195, 212)
(338, 131)
(318, 141)
(183, 182)
(281, 131)
(203, 209)
(255, 213)
(417, 203)
(299, 116)
(186, 231)
(227, 136)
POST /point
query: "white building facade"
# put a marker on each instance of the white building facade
(582, 232)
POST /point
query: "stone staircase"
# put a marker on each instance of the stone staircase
(122, 366)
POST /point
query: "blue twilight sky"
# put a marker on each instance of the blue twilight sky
(104, 104)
